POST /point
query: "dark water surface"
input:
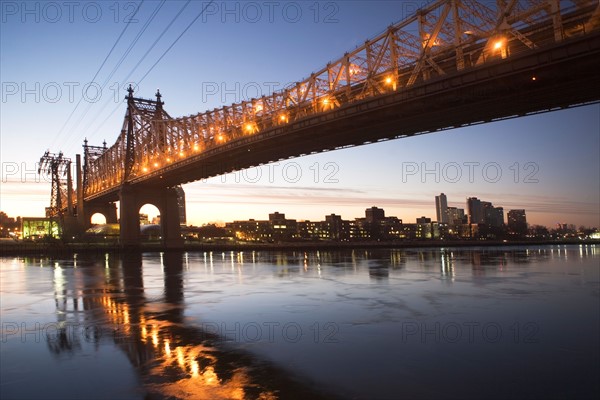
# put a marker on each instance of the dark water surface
(512, 322)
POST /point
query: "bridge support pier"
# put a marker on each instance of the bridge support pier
(71, 227)
(165, 199)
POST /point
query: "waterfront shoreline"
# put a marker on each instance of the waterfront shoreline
(21, 248)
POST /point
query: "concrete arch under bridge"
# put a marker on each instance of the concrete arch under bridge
(165, 199)
(108, 210)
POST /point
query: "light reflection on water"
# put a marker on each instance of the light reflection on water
(421, 323)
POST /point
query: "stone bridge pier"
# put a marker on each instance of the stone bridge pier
(165, 199)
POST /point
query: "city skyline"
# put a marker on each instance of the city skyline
(512, 218)
(546, 164)
(518, 212)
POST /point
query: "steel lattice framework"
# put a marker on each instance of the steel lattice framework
(145, 131)
(91, 154)
(444, 37)
(58, 168)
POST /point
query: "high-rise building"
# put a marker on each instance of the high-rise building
(517, 222)
(493, 217)
(484, 212)
(181, 205)
(441, 208)
(475, 211)
(456, 216)
(374, 214)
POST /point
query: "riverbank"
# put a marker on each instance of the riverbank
(8, 248)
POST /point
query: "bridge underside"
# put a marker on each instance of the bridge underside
(565, 75)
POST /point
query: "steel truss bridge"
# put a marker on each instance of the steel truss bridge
(451, 64)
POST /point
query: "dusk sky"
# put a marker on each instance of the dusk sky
(549, 164)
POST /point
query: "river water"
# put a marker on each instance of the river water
(503, 322)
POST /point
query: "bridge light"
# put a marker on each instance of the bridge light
(250, 127)
(354, 69)
(168, 159)
(181, 154)
(283, 118)
(390, 81)
(500, 45)
(156, 165)
(145, 169)
(327, 103)
(196, 147)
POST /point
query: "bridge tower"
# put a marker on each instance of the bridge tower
(86, 209)
(109, 175)
(61, 209)
(144, 122)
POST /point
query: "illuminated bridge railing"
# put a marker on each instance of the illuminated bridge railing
(445, 37)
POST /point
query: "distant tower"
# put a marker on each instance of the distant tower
(441, 208)
(181, 205)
